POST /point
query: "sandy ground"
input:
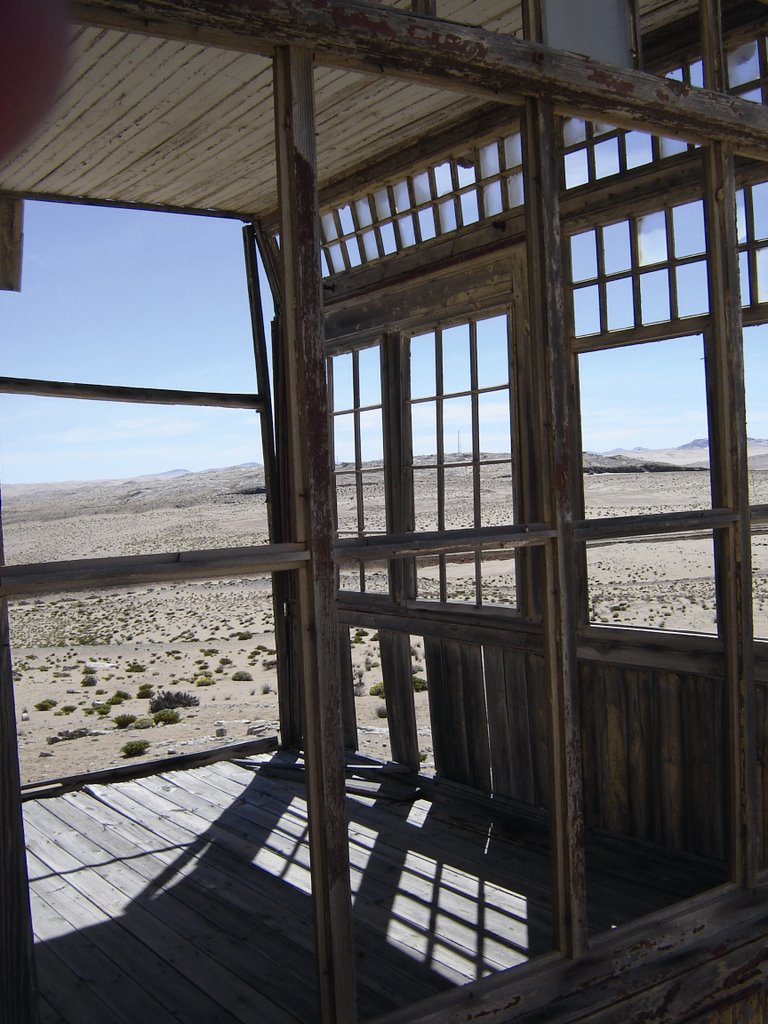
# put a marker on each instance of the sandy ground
(80, 659)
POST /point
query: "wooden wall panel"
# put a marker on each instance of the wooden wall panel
(397, 673)
(654, 742)
(457, 705)
(654, 757)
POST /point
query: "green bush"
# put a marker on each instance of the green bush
(419, 684)
(46, 705)
(170, 699)
(166, 717)
(123, 721)
(242, 677)
(135, 666)
(143, 723)
(381, 711)
(134, 748)
(377, 690)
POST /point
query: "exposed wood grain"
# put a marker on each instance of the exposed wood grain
(311, 511)
(18, 982)
(128, 570)
(397, 671)
(11, 239)
(346, 680)
(724, 362)
(448, 55)
(113, 393)
(561, 614)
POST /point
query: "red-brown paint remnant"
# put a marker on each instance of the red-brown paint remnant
(610, 82)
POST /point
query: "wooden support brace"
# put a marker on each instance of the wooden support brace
(18, 983)
(446, 55)
(558, 463)
(311, 521)
(11, 238)
(729, 473)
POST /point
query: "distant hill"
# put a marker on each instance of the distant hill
(693, 455)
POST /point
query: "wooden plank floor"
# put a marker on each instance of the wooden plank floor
(184, 897)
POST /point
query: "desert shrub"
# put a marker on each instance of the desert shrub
(67, 709)
(204, 681)
(123, 721)
(377, 690)
(145, 691)
(225, 661)
(102, 710)
(88, 681)
(134, 748)
(419, 684)
(89, 670)
(143, 723)
(243, 636)
(167, 699)
(381, 711)
(208, 652)
(242, 677)
(168, 716)
(135, 666)
(46, 705)
(118, 696)
(266, 688)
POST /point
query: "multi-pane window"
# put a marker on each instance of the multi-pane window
(437, 200)
(357, 436)
(752, 226)
(746, 70)
(461, 466)
(592, 150)
(638, 271)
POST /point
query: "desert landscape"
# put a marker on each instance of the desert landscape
(177, 668)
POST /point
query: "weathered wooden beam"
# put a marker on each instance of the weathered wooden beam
(311, 520)
(428, 542)
(682, 963)
(724, 362)
(116, 393)
(18, 983)
(448, 55)
(11, 243)
(139, 769)
(135, 570)
(560, 436)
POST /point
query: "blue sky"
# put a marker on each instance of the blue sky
(160, 300)
(132, 298)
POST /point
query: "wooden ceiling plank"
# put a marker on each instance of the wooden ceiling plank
(152, 93)
(196, 109)
(86, 78)
(88, 126)
(451, 56)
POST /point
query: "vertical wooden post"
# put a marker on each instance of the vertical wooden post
(18, 980)
(728, 458)
(559, 462)
(311, 522)
(11, 243)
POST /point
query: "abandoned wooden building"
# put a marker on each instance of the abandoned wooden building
(592, 845)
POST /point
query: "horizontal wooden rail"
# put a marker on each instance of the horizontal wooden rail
(138, 769)
(435, 542)
(114, 393)
(133, 570)
(627, 527)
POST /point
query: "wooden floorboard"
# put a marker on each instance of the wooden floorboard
(184, 897)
